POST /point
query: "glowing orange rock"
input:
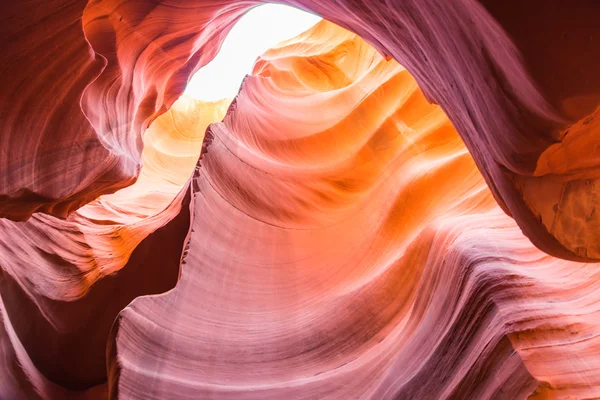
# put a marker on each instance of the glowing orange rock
(342, 241)
(344, 245)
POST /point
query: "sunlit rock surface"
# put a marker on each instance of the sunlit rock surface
(355, 254)
(83, 80)
(338, 239)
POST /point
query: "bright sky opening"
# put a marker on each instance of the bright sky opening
(258, 30)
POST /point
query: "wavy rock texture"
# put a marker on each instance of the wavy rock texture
(355, 254)
(91, 265)
(81, 82)
(339, 239)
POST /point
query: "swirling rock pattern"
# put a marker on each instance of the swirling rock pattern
(355, 255)
(91, 265)
(337, 240)
(514, 81)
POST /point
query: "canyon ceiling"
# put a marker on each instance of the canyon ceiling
(400, 203)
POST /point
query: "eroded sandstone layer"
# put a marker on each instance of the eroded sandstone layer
(83, 80)
(359, 254)
(63, 282)
(337, 240)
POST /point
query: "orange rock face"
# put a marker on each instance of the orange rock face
(355, 255)
(115, 65)
(343, 233)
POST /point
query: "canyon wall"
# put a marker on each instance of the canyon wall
(82, 81)
(344, 233)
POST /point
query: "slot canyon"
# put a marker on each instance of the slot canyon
(397, 203)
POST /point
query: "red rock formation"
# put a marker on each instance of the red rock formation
(494, 67)
(343, 243)
(91, 265)
(357, 254)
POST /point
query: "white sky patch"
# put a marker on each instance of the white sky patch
(258, 30)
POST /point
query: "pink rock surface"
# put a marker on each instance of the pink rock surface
(356, 255)
(341, 240)
(63, 282)
(511, 78)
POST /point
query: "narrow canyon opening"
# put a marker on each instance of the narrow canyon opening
(324, 112)
(328, 176)
(173, 141)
